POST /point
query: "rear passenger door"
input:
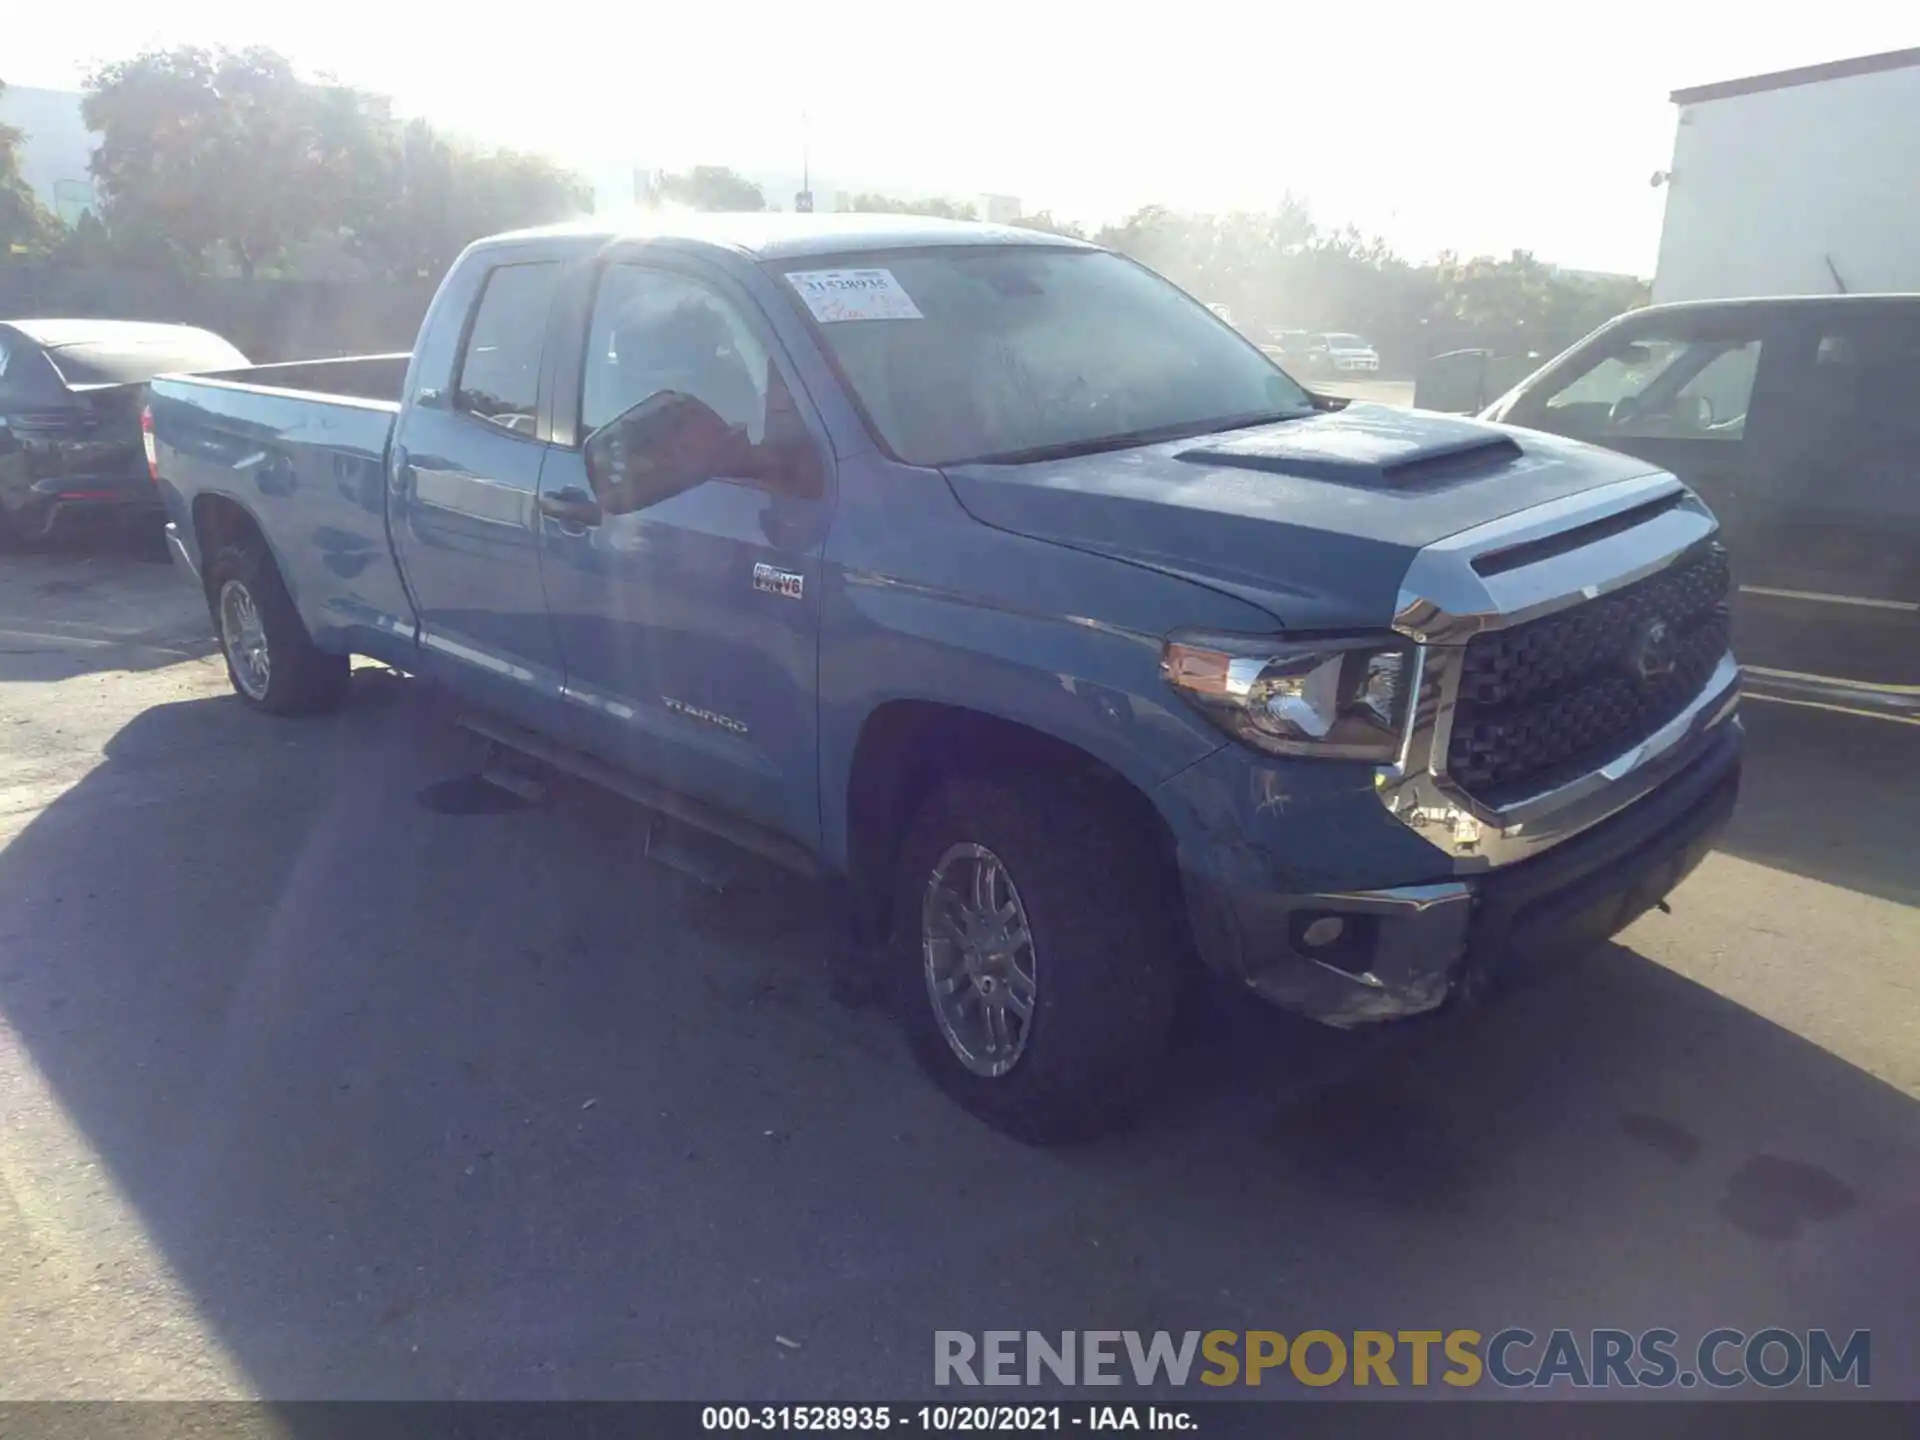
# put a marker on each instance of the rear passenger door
(1834, 580)
(465, 474)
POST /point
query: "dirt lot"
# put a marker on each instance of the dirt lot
(325, 1073)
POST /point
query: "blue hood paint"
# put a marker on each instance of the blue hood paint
(1340, 502)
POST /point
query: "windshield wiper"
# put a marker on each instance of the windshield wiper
(1130, 439)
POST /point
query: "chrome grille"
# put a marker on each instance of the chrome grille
(1548, 700)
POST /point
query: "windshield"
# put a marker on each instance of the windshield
(1345, 342)
(1017, 352)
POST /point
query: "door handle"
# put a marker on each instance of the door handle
(400, 473)
(571, 507)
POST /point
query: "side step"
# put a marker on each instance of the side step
(767, 844)
(1791, 687)
(695, 856)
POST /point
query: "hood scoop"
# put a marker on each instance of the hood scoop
(1374, 447)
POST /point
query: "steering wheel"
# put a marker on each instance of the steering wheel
(1624, 411)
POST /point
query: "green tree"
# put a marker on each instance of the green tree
(871, 203)
(26, 226)
(711, 187)
(434, 196)
(212, 155)
(212, 148)
(1279, 269)
(1043, 220)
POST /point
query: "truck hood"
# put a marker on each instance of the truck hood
(1315, 520)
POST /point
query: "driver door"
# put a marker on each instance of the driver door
(689, 623)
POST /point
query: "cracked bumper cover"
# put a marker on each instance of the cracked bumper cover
(1409, 947)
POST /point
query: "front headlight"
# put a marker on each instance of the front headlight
(1338, 697)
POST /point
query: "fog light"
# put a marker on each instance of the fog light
(1324, 931)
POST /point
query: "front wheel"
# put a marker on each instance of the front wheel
(272, 662)
(1040, 939)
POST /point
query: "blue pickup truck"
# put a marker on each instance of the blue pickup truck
(992, 577)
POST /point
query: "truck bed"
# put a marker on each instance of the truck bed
(302, 448)
(379, 378)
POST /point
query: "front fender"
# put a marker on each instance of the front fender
(924, 603)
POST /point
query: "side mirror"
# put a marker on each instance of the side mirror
(1633, 355)
(665, 445)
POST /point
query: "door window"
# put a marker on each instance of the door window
(654, 331)
(1853, 416)
(1656, 386)
(500, 368)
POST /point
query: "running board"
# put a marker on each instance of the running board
(1881, 702)
(767, 844)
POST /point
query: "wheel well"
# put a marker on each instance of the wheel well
(908, 747)
(218, 521)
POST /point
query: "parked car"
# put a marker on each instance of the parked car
(1349, 355)
(1310, 353)
(983, 572)
(1796, 419)
(71, 393)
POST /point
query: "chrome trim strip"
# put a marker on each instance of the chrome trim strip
(1446, 905)
(1481, 837)
(1873, 687)
(1396, 900)
(1864, 602)
(1444, 602)
(178, 549)
(1857, 697)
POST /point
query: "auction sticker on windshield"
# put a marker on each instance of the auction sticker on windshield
(835, 295)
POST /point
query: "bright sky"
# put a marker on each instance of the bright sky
(1480, 129)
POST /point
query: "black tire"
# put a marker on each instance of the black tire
(301, 678)
(1108, 943)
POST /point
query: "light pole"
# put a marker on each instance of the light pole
(803, 202)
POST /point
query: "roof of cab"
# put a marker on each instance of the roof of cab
(782, 235)
(52, 334)
(1857, 300)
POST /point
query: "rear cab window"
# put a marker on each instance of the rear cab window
(498, 379)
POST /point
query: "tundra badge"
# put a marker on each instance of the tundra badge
(778, 582)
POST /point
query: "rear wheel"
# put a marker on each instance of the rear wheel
(272, 662)
(1040, 945)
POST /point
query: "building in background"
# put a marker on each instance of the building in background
(1799, 182)
(58, 146)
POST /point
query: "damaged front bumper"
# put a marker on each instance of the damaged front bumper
(1351, 957)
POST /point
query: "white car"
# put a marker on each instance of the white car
(1349, 354)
